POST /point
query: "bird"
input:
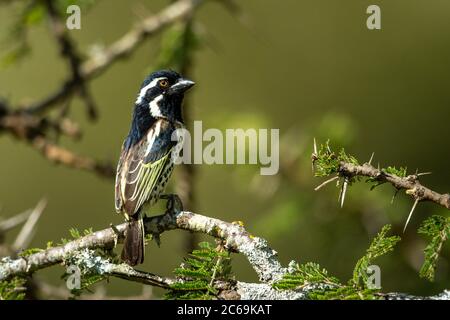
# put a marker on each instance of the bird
(146, 163)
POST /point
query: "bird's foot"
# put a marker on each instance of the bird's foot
(157, 238)
(174, 204)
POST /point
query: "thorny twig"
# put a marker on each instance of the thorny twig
(410, 183)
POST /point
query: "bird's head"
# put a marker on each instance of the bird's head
(161, 94)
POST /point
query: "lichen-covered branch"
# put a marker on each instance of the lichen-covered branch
(262, 258)
(233, 235)
(91, 263)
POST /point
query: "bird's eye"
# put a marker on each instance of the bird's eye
(163, 83)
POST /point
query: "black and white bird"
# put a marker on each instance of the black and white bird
(146, 161)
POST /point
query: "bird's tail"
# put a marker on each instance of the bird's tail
(133, 247)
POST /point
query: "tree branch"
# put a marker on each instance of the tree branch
(120, 49)
(68, 158)
(69, 52)
(28, 122)
(410, 183)
(262, 258)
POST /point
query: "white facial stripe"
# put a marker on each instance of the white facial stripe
(144, 89)
(154, 107)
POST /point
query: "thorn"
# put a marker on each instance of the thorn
(371, 158)
(343, 192)
(395, 194)
(314, 155)
(423, 174)
(29, 228)
(325, 183)
(157, 239)
(8, 224)
(340, 194)
(410, 213)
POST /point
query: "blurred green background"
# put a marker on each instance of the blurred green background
(309, 68)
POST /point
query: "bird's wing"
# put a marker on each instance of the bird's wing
(140, 167)
(118, 194)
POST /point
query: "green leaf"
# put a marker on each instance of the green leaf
(305, 274)
(75, 233)
(400, 172)
(438, 229)
(29, 252)
(12, 289)
(197, 273)
(379, 246)
(327, 161)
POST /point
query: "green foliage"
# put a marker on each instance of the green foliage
(197, 275)
(87, 280)
(89, 276)
(327, 162)
(12, 289)
(326, 287)
(379, 246)
(75, 234)
(400, 172)
(438, 229)
(90, 266)
(29, 252)
(305, 274)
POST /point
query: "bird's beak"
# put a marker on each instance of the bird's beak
(181, 86)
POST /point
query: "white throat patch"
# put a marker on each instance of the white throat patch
(155, 111)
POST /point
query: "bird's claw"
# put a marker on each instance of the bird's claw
(174, 204)
(157, 238)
